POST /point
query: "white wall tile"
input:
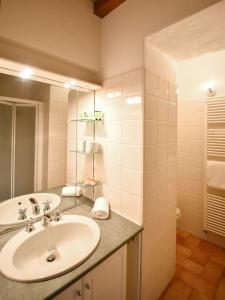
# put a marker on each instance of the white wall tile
(131, 207)
(133, 107)
(150, 132)
(163, 110)
(133, 82)
(132, 157)
(132, 182)
(151, 107)
(132, 132)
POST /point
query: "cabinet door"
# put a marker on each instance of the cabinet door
(74, 292)
(108, 280)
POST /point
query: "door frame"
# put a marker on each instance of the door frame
(39, 135)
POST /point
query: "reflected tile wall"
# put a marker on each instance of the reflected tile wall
(57, 157)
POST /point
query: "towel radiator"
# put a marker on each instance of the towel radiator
(214, 200)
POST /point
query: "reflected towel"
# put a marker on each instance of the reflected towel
(216, 174)
(71, 191)
(100, 209)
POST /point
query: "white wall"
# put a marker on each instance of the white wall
(66, 29)
(57, 137)
(194, 76)
(123, 30)
(121, 167)
(159, 202)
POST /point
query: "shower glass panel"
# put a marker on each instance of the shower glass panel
(24, 150)
(17, 149)
(5, 150)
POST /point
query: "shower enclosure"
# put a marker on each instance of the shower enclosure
(17, 149)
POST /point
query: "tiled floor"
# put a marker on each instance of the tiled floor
(200, 270)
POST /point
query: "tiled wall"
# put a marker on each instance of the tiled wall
(120, 166)
(159, 204)
(57, 137)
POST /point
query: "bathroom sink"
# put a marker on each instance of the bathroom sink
(9, 209)
(50, 250)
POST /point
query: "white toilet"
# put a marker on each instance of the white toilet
(178, 213)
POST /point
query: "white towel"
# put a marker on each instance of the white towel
(100, 209)
(216, 174)
(71, 191)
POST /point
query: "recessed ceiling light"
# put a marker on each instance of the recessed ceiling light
(26, 73)
(117, 94)
(110, 95)
(73, 82)
(66, 85)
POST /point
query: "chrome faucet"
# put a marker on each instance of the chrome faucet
(47, 205)
(22, 214)
(35, 206)
(47, 218)
(29, 225)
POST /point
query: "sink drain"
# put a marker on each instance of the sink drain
(51, 258)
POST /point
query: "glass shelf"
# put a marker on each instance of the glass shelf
(83, 185)
(85, 153)
(85, 120)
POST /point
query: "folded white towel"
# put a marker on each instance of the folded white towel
(101, 208)
(216, 174)
(71, 191)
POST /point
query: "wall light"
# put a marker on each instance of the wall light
(134, 100)
(26, 73)
(210, 88)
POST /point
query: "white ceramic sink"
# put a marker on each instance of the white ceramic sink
(70, 241)
(9, 209)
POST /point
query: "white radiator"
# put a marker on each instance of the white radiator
(214, 200)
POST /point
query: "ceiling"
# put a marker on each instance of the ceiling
(202, 33)
(104, 7)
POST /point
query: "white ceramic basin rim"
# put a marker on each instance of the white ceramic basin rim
(69, 242)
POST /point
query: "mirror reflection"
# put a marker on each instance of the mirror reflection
(47, 142)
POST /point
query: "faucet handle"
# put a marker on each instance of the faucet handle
(47, 205)
(22, 213)
(29, 225)
(58, 215)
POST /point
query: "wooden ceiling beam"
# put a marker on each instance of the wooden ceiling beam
(104, 7)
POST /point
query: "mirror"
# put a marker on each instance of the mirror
(47, 141)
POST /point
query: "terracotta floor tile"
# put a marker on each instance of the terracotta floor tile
(218, 257)
(213, 273)
(192, 242)
(195, 295)
(184, 250)
(211, 247)
(189, 265)
(180, 240)
(182, 233)
(201, 255)
(178, 290)
(178, 270)
(220, 294)
(197, 283)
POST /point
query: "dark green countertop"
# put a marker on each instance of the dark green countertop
(115, 232)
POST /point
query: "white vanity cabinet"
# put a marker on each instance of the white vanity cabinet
(106, 281)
